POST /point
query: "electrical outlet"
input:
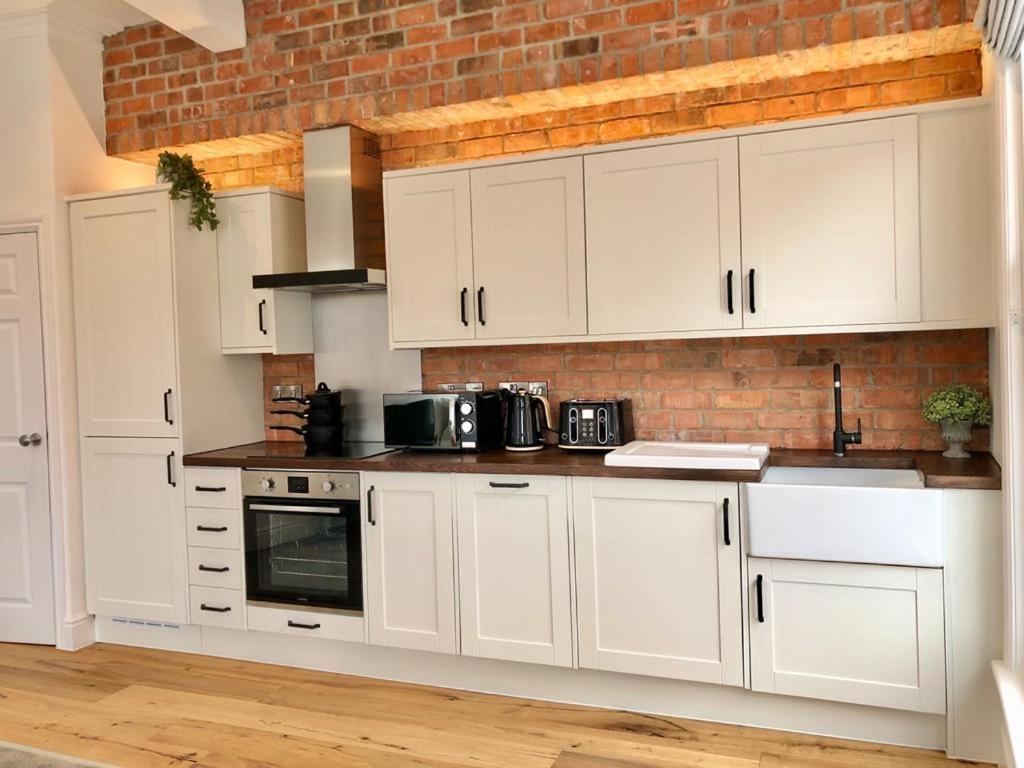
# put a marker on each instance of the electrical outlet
(447, 387)
(512, 386)
(285, 390)
(538, 388)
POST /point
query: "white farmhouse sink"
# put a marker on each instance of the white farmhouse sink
(883, 516)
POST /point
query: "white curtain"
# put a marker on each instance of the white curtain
(1002, 22)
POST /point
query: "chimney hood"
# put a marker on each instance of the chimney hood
(344, 215)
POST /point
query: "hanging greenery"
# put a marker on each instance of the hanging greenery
(187, 182)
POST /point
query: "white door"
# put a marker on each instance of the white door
(830, 225)
(409, 535)
(243, 250)
(26, 575)
(658, 582)
(663, 238)
(864, 634)
(513, 535)
(430, 257)
(136, 560)
(124, 316)
(529, 251)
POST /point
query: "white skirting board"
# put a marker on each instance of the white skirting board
(571, 686)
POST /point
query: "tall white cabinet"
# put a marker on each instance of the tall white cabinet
(153, 385)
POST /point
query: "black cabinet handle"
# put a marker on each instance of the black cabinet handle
(509, 485)
(462, 305)
(213, 609)
(369, 506)
(725, 522)
(211, 489)
(480, 305)
(170, 475)
(296, 625)
(263, 303)
(211, 569)
(209, 529)
(753, 303)
(760, 599)
(728, 292)
(167, 407)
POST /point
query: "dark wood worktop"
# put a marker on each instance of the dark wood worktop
(979, 472)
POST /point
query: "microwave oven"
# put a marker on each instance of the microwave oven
(443, 421)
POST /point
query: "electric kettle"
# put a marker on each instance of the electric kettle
(526, 418)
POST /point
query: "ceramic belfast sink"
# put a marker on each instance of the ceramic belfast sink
(883, 516)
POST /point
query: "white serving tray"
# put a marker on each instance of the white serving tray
(641, 453)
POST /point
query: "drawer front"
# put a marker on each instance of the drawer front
(208, 567)
(334, 626)
(214, 528)
(213, 607)
(213, 487)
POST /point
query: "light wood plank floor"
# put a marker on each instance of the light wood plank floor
(135, 707)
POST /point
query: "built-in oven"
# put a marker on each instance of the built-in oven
(303, 544)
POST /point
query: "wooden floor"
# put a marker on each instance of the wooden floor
(133, 707)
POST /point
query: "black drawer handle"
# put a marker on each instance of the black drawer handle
(753, 303)
(728, 293)
(211, 489)
(480, 305)
(296, 625)
(170, 470)
(211, 569)
(213, 609)
(509, 485)
(760, 599)
(462, 305)
(167, 407)
(263, 329)
(725, 522)
(208, 529)
(369, 506)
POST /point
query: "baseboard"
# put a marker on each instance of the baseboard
(76, 633)
(1011, 696)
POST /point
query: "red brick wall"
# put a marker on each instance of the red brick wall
(775, 389)
(310, 63)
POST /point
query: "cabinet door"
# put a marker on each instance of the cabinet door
(430, 257)
(124, 316)
(529, 255)
(658, 580)
(865, 634)
(134, 512)
(410, 561)
(243, 250)
(830, 225)
(663, 238)
(513, 534)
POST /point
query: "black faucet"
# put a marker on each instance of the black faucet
(840, 437)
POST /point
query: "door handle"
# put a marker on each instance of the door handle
(296, 625)
(212, 489)
(462, 306)
(725, 522)
(753, 303)
(167, 407)
(369, 506)
(211, 529)
(211, 569)
(205, 607)
(170, 474)
(728, 292)
(263, 303)
(480, 305)
(760, 599)
(509, 485)
(26, 440)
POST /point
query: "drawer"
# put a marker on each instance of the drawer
(333, 626)
(213, 487)
(208, 567)
(213, 607)
(216, 528)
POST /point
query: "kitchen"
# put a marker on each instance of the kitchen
(601, 423)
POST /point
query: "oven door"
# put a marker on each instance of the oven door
(304, 553)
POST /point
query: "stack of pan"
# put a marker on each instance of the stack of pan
(322, 419)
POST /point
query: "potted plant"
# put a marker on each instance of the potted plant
(187, 182)
(956, 408)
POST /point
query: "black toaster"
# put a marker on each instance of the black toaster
(595, 425)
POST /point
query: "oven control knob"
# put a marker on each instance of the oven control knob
(466, 409)
(467, 426)
(266, 484)
(327, 486)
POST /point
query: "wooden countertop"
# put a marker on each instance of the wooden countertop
(979, 472)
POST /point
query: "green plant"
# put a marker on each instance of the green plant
(958, 402)
(187, 182)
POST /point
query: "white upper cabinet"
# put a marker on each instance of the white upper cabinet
(124, 316)
(830, 225)
(529, 249)
(663, 250)
(430, 257)
(262, 231)
(658, 578)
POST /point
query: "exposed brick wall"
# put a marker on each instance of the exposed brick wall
(285, 369)
(775, 389)
(309, 63)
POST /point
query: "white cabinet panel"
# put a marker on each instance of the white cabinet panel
(213, 607)
(430, 257)
(124, 316)
(216, 528)
(410, 561)
(336, 625)
(663, 240)
(215, 567)
(134, 513)
(864, 634)
(658, 578)
(529, 249)
(830, 225)
(213, 487)
(513, 539)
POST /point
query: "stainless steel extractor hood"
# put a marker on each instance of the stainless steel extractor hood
(344, 215)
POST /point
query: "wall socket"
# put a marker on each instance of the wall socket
(533, 387)
(285, 390)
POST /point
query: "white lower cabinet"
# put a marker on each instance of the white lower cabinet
(514, 580)
(864, 634)
(215, 607)
(658, 580)
(409, 544)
